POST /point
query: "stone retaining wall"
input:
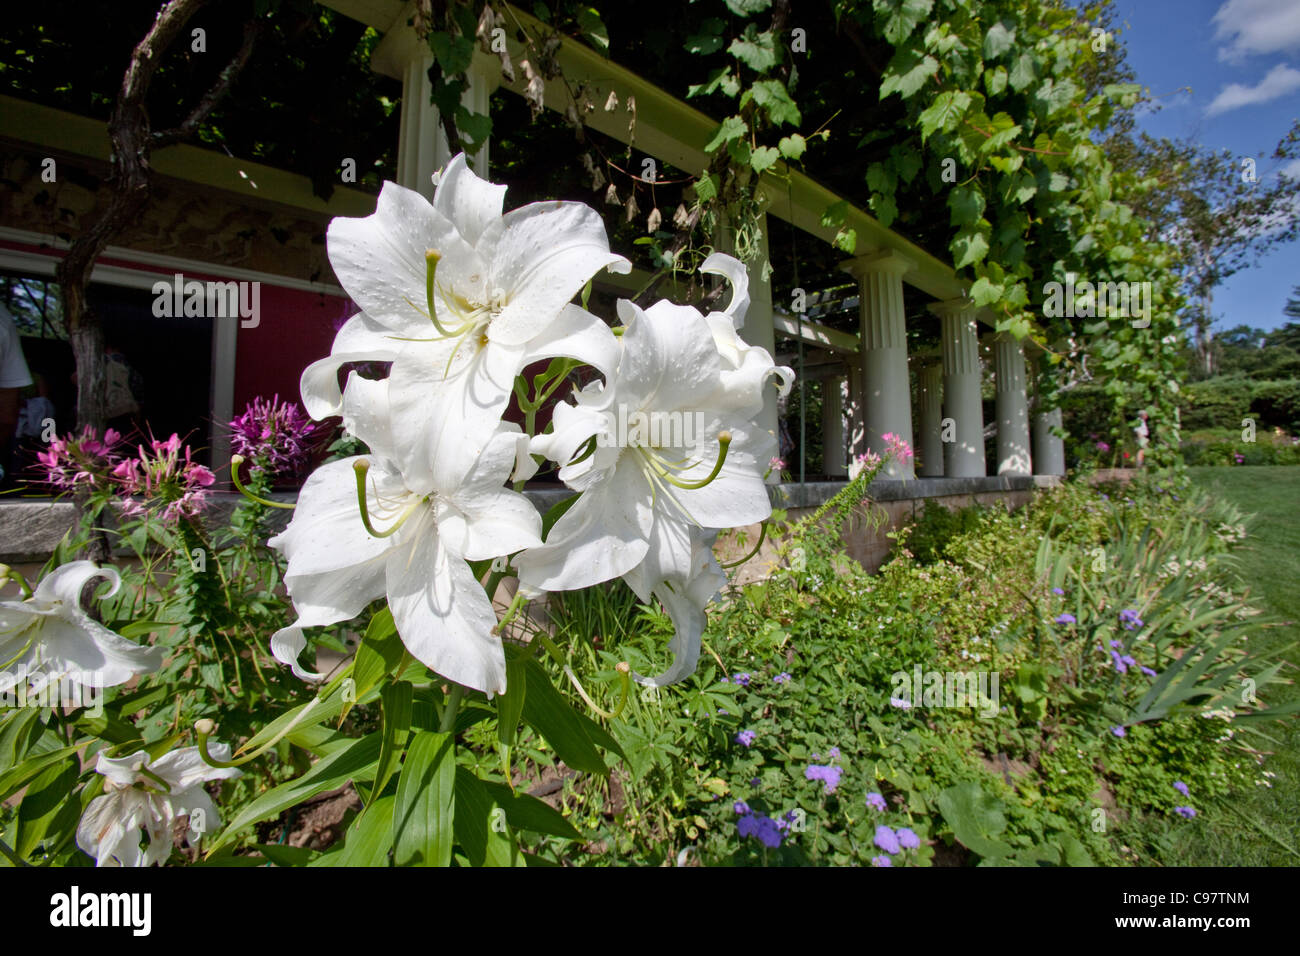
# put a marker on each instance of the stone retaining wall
(30, 529)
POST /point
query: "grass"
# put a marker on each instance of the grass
(1260, 828)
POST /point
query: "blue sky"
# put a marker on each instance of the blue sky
(1241, 59)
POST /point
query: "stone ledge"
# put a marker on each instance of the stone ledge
(814, 493)
(31, 528)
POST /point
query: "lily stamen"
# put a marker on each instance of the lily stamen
(236, 462)
(166, 787)
(362, 468)
(724, 443)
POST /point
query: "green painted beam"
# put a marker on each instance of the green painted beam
(67, 133)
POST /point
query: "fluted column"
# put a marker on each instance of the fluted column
(855, 438)
(930, 402)
(1012, 407)
(1049, 449)
(886, 391)
(421, 141)
(759, 328)
(963, 457)
(834, 458)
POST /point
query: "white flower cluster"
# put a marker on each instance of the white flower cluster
(461, 299)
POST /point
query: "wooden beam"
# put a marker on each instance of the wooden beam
(814, 334)
(31, 125)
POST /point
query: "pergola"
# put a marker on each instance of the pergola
(866, 388)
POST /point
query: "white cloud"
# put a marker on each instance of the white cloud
(1280, 81)
(1257, 26)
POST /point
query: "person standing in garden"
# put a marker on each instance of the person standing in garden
(1143, 434)
(14, 377)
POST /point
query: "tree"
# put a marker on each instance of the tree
(133, 140)
(1217, 210)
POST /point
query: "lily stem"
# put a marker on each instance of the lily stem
(11, 856)
(452, 708)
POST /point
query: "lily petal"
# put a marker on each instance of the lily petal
(541, 256)
(601, 537)
(380, 259)
(468, 202)
(287, 645)
(719, 263)
(361, 339)
(444, 617)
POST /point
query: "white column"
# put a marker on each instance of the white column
(1012, 407)
(1049, 449)
(758, 327)
(855, 440)
(930, 400)
(964, 457)
(833, 451)
(886, 391)
(422, 143)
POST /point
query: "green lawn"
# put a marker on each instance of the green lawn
(1261, 828)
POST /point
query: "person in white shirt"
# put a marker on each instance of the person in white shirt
(14, 377)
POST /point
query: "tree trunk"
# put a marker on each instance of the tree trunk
(132, 141)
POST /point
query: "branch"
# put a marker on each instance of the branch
(190, 125)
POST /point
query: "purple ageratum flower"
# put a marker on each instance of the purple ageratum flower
(1119, 731)
(1058, 590)
(1117, 644)
(1102, 446)
(829, 776)
(1182, 788)
(746, 737)
(834, 753)
(1187, 812)
(882, 860)
(908, 839)
(781, 678)
(1129, 660)
(1120, 666)
(1105, 497)
(741, 679)
(1148, 671)
(876, 802)
(762, 827)
(741, 808)
(1066, 619)
(1129, 618)
(887, 839)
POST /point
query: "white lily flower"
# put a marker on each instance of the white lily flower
(461, 298)
(412, 544)
(49, 636)
(745, 368)
(648, 494)
(150, 794)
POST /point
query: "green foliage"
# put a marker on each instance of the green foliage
(1223, 402)
(1044, 781)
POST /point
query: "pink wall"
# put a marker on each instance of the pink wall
(296, 328)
